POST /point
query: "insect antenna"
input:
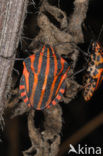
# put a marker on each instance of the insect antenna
(10, 58)
(74, 44)
(77, 72)
(101, 30)
(15, 59)
(16, 71)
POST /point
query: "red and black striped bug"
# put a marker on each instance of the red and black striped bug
(94, 71)
(42, 83)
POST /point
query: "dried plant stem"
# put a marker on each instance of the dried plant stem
(11, 23)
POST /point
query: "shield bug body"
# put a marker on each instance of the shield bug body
(42, 83)
(94, 71)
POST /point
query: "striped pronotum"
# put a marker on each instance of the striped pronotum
(42, 82)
